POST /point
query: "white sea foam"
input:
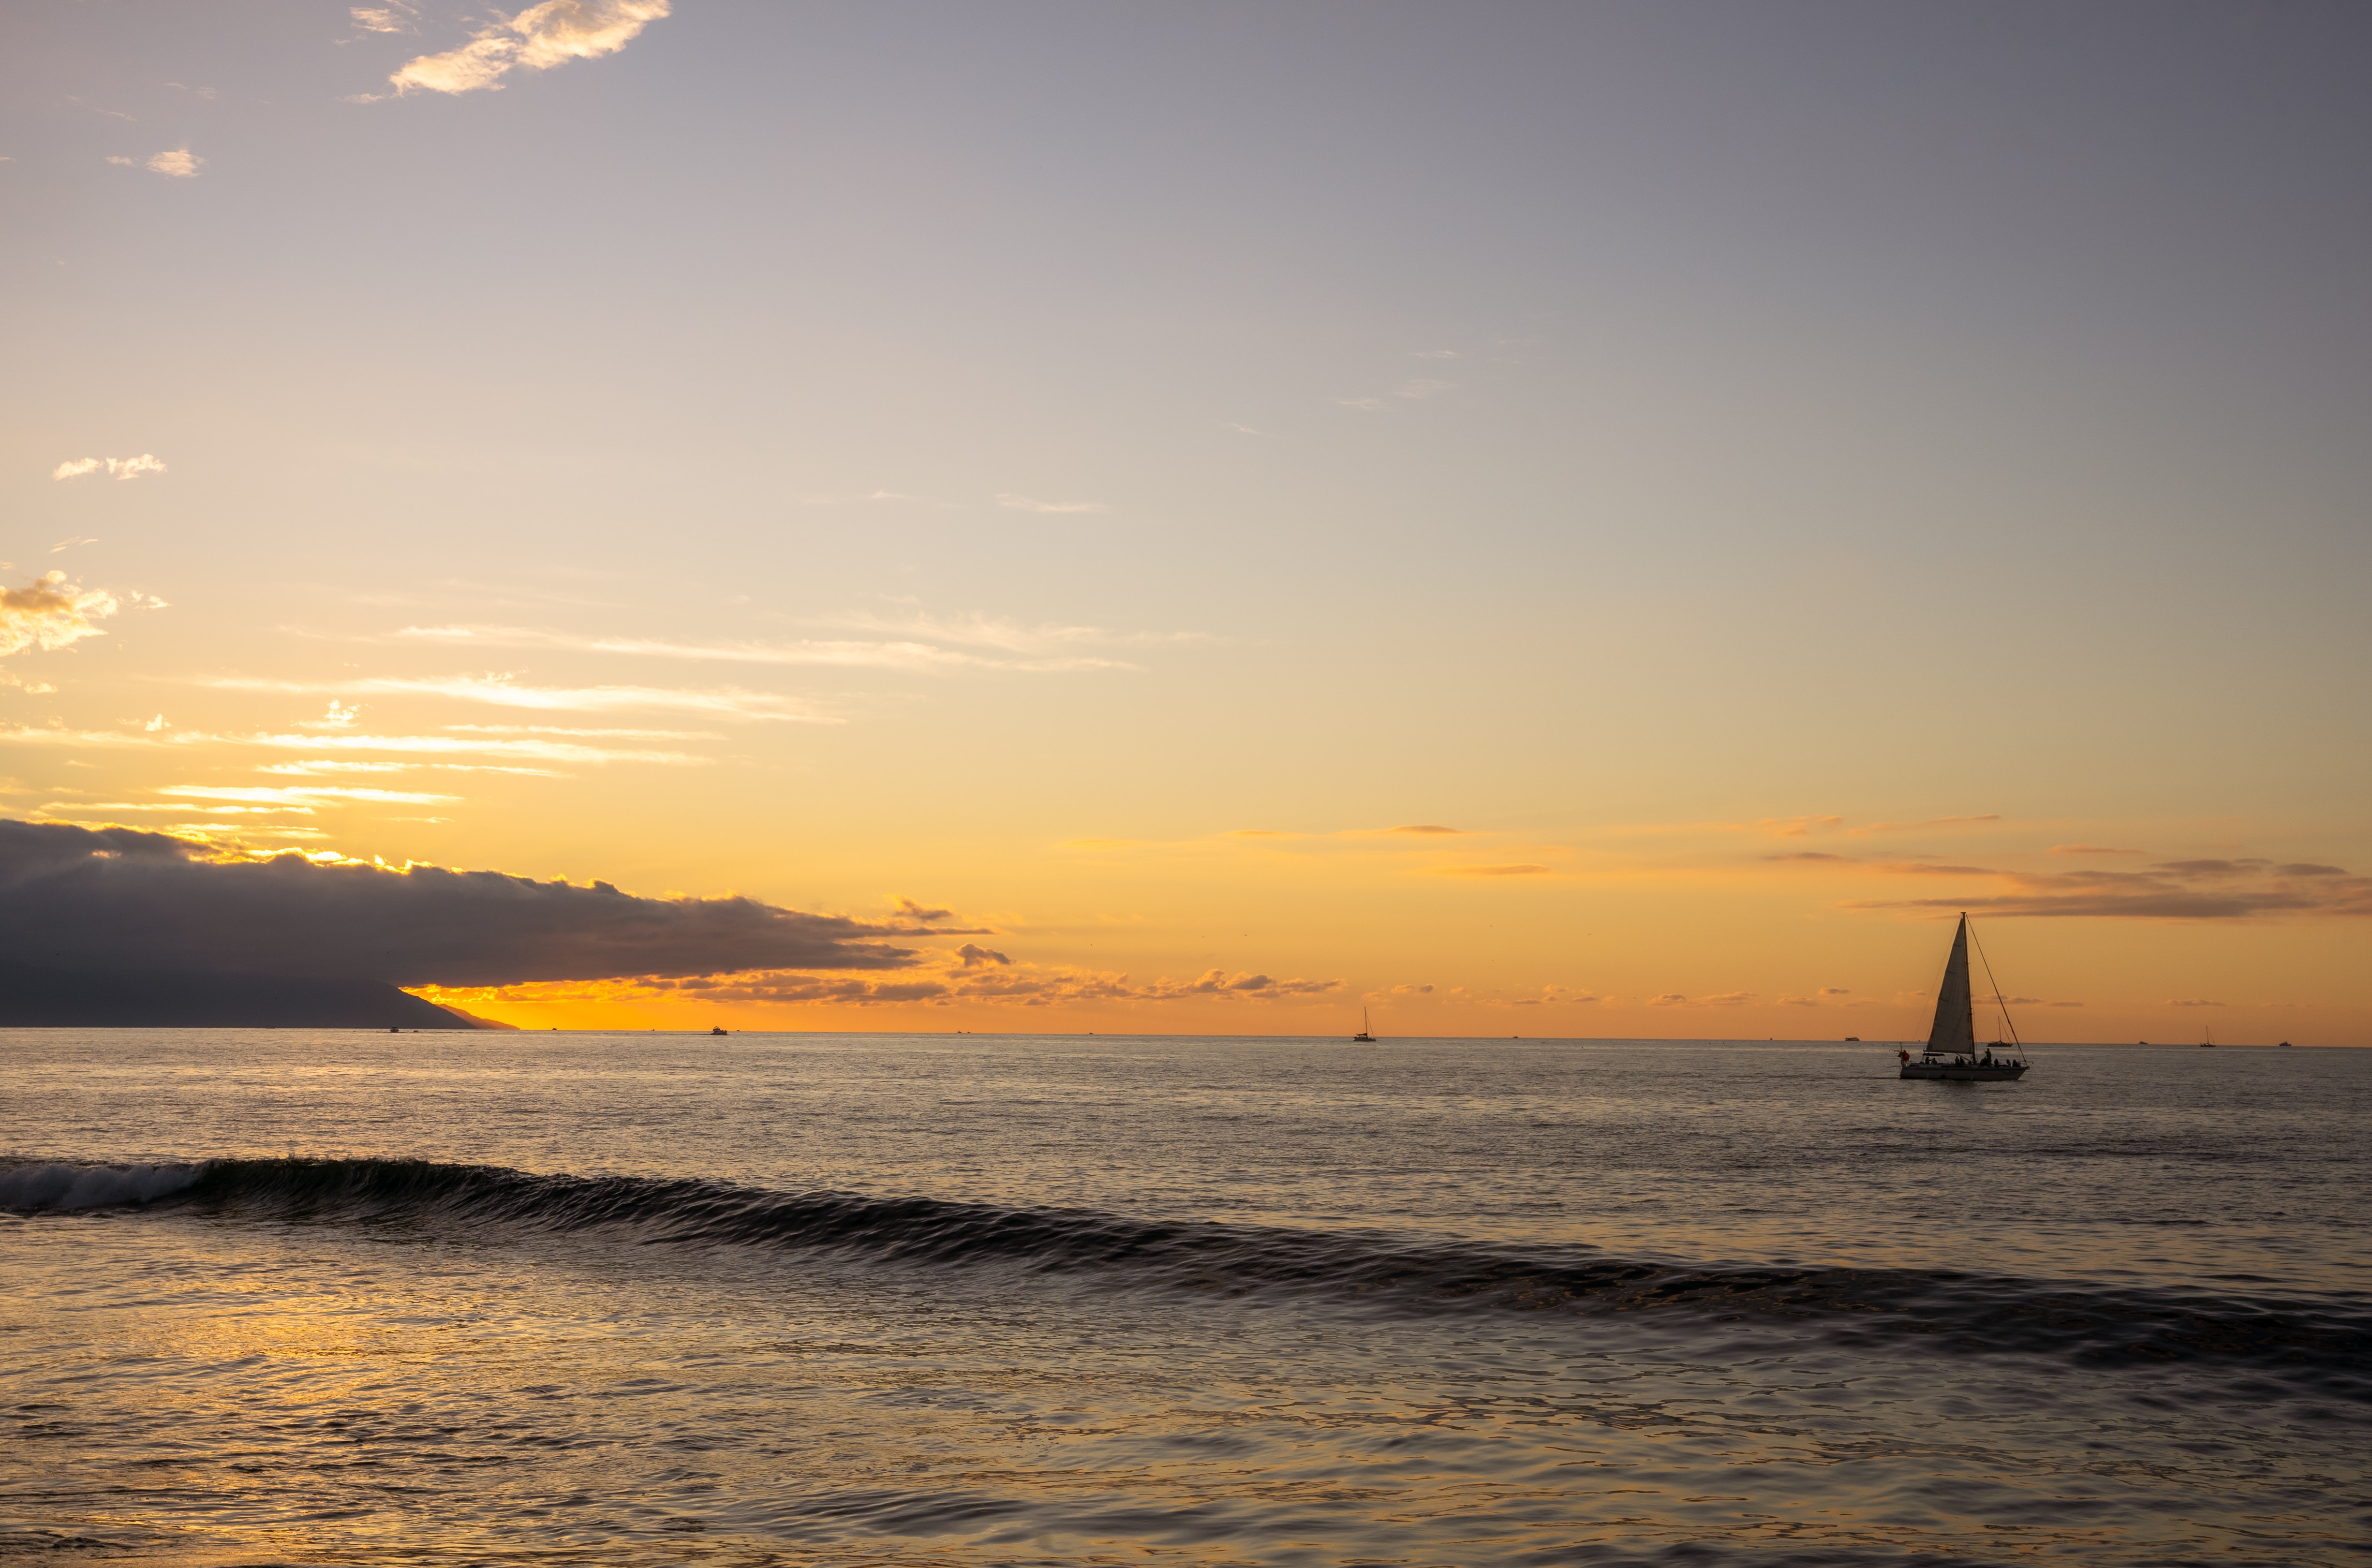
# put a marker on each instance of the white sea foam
(90, 1186)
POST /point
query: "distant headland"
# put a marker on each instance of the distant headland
(164, 999)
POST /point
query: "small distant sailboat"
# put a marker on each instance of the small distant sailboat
(2207, 1037)
(1952, 1052)
(1363, 1036)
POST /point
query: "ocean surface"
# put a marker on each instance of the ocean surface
(321, 1296)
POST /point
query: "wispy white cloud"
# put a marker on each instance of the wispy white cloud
(121, 468)
(1014, 503)
(522, 747)
(51, 613)
(501, 690)
(997, 631)
(179, 162)
(87, 807)
(335, 765)
(845, 500)
(526, 747)
(36, 735)
(302, 794)
(556, 729)
(1416, 389)
(395, 17)
(537, 39)
(1238, 429)
(906, 655)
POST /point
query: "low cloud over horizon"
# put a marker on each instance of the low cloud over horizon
(122, 899)
(971, 974)
(2218, 888)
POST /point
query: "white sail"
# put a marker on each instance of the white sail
(1955, 1033)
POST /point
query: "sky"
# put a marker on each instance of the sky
(1544, 519)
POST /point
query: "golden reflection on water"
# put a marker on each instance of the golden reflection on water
(289, 1393)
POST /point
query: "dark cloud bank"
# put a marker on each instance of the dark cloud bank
(117, 910)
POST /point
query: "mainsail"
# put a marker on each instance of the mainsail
(1955, 1033)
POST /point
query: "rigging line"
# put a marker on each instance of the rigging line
(1998, 1003)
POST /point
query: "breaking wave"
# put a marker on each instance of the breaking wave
(61, 1186)
(2328, 1339)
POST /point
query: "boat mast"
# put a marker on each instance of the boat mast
(2000, 1002)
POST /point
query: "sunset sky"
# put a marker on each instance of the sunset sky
(1556, 519)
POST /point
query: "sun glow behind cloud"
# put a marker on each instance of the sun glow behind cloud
(51, 612)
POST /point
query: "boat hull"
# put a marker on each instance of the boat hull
(1963, 1073)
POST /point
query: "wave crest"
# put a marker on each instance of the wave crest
(1946, 1312)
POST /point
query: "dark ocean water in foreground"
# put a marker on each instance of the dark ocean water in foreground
(443, 1299)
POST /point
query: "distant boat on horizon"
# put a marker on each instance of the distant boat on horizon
(1952, 1053)
(1363, 1035)
(2207, 1038)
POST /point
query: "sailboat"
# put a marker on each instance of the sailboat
(2207, 1039)
(1952, 1052)
(1363, 1034)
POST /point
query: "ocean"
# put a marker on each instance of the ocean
(336, 1297)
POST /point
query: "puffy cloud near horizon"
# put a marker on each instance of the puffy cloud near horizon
(119, 468)
(536, 39)
(51, 613)
(120, 898)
